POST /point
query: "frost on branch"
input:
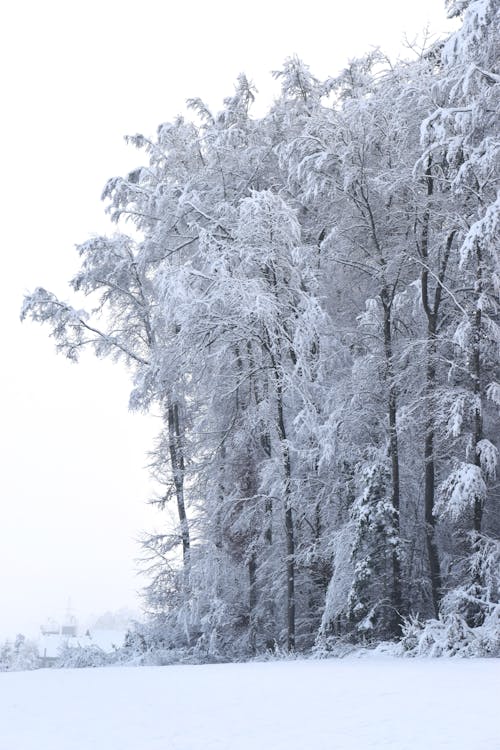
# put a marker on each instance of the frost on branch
(460, 491)
(488, 458)
(69, 326)
(485, 233)
(469, 619)
(493, 393)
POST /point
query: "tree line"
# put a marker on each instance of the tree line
(309, 299)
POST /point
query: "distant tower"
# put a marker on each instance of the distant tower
(69, 624)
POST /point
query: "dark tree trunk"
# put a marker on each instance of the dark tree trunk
(397, 601)
(477, 428)
(178, 471)
(431, 310)
(252, 598)
(430, 472)
(289, 525)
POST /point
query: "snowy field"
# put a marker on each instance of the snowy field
(349, 704)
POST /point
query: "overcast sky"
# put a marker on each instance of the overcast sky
(76, 77)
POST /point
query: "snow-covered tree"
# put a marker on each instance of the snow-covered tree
(309, 302)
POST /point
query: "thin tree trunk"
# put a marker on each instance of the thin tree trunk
(252, 598)
(178, 470)
(431, 312)
(477, 429)
(430, 471)
(475, 615)
(270, 276)
(289, 524)
(397, 601)
(387, 297)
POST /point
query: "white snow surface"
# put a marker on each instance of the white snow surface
(337, 704)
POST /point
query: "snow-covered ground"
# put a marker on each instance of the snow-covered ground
(348, 704)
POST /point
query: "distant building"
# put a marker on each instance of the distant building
(56, 636)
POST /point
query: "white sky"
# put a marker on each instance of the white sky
(76, 77)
